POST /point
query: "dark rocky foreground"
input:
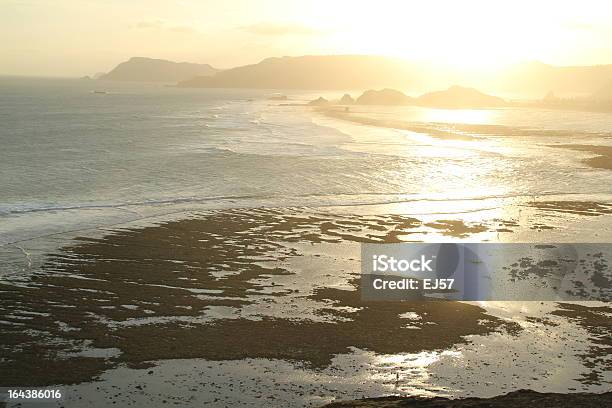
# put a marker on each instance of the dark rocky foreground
(515, 399)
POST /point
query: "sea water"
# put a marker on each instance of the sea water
(78, 154)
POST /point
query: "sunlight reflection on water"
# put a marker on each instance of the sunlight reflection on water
(471, 116)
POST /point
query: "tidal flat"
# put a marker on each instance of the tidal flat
(261, 306)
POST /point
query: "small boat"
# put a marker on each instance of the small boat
(100, 92)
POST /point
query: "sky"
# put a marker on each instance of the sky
(82, 37)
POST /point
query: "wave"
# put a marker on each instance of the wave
(75, 223)
(42, 208)
(391, 198)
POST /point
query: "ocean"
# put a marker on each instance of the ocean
(72, 158)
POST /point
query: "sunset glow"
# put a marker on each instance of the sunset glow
(70, 37)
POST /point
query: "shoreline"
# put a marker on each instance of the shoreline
(602, 154)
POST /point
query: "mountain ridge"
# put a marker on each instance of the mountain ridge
(334, 72)
(344, 72)
(144, 69)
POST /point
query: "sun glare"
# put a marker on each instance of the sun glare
(472, 36)
(471, 116)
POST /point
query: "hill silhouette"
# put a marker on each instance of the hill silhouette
(459, 97)
(313, 72)
(384, 97)
(344, 72)
(538, 78)
(156, 70)
(604, 93)
(454, 97)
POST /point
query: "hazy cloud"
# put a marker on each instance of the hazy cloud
(280, 29)
(183, 29)
(578, 25)
(149, 24)
(162, 25)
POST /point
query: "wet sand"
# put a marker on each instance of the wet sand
(99, 292)
(453, 131)
(603, 154)
(517, 399)
(589, 208)
(597, 321)
(252, 286)
(440, 133)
